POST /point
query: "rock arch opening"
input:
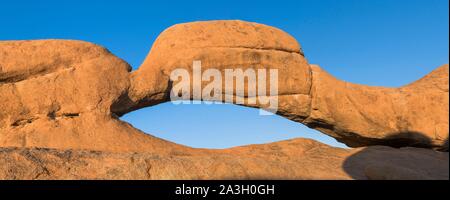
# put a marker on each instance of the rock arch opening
(218, 126)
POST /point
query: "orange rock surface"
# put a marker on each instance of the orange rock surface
(61, 100)
(293, 159)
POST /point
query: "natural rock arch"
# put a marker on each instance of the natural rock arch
(356, 115)
(62, 94)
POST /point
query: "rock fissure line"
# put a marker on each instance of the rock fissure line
(249, 48)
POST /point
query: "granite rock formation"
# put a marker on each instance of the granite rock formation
(61, 101)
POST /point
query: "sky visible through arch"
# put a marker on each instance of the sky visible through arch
(383, 43)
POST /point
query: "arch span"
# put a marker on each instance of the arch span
(356, 115)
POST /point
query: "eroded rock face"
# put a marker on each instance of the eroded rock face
(65, 96)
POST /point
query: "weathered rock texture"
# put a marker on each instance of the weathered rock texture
(67, 95)
(293, 159)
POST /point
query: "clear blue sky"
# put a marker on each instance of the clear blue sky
(375, 42)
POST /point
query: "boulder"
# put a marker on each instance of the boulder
(58, 94)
